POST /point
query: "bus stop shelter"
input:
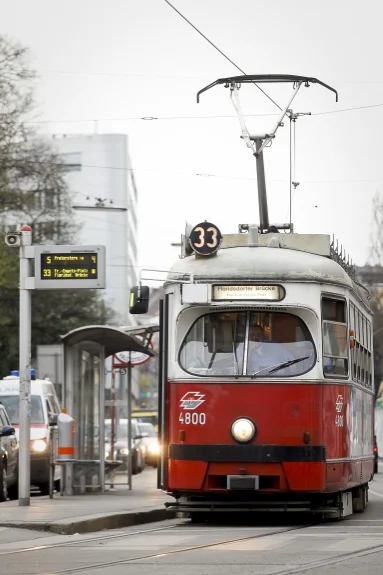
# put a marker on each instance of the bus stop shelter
(83, 396)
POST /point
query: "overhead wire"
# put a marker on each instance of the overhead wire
(119, 75)
(137, 118)
(205, 175)
(219, 50)
(172, 118)
(347, 109)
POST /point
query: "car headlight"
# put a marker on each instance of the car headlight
(243, 430)
(154, 449)
(39, 445)
(124, 451)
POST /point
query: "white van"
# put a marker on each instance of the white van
(44, 410)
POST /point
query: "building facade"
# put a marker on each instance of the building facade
(104, 198)
(104, 193)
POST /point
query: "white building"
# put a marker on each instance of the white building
(100, 176)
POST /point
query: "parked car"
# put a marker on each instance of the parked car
(150, 441)
(9, 458)
(376, 455)
(45, 409)
(121, 450)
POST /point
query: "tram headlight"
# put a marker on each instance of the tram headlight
(243, 430)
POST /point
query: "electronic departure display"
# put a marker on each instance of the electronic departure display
(69, 266)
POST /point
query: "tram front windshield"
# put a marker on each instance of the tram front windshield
(248, 344)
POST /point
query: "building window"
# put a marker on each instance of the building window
(44, 231)
(72, 161)
(335, 346)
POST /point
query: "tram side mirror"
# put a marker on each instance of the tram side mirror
(139, 300)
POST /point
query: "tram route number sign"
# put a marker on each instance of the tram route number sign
(64, 267)
(205, 239)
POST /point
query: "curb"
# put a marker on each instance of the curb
(94, 523)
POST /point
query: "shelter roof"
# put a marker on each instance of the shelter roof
(114, 339)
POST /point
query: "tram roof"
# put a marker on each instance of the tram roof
(265, 264)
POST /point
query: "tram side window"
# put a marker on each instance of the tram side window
(361, 353)
(335, 348)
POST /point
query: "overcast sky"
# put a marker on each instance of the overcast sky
(124, 59)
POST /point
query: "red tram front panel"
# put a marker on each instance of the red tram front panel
(309, 437)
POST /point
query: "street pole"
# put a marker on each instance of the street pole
(112, 421)
(130, 442)
(25, 321)
(151, 387)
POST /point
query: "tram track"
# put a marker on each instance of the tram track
(110, 564)
(88, 540)
(284, 571)
(153, 556)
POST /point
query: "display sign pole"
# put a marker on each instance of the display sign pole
(56, 267)
(130, 422)
(25, 320)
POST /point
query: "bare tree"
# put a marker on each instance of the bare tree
(32, 183)
(375, 260)
(33, 191)
(376, 251)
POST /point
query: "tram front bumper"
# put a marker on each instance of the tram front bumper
(231, 468)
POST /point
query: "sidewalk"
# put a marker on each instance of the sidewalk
(92, 512)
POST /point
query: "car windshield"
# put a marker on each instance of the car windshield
(148, 429)
(120, 430)
(248, 344)
(146, 418)
(11, 404)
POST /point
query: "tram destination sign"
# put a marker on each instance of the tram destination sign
(248, 292)
(69, 267)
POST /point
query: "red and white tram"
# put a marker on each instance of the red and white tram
(266, 375)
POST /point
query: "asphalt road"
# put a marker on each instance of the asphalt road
(280, 546)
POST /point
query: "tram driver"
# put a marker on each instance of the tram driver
(263, 354)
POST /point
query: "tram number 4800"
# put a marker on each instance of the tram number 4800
(339, 420)
(192, 418)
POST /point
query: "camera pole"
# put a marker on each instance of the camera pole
(25, 368)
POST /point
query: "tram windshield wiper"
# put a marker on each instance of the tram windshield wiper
(280, 365)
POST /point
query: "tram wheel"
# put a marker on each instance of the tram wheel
(359, 499)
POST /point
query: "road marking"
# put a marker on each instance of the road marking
(375, 493)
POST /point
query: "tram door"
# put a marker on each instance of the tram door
(163, 392)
